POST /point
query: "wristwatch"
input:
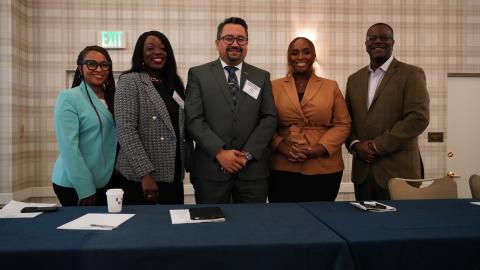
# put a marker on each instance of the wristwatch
(248, 156)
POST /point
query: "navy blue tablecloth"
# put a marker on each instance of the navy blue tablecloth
(429, 234)
(255, 236)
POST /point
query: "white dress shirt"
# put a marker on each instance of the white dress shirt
(375, 78)
(237, 72)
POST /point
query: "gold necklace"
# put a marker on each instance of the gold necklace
(155, 79)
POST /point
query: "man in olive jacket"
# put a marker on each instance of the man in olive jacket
(389, 105)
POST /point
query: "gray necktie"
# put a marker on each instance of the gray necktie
(233, 83)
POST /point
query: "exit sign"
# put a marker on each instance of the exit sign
(111, 39)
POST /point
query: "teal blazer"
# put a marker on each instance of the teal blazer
(86, 153)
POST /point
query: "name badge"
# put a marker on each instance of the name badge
(178, 99)
(251, 89)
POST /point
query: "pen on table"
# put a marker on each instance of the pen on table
(103, 226)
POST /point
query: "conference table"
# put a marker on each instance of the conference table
(428, 234)
(254, 236)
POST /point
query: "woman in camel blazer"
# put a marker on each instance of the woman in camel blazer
(313, 123)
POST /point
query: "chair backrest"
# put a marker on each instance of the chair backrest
(441, 188)
(475, 186)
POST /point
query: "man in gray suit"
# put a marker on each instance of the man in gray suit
(389, 105)
(231, 116)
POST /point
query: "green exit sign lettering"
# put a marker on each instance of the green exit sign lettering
(111, 39)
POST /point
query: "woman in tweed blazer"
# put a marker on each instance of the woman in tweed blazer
(150, 124)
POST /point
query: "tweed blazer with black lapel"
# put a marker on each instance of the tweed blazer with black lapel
(145, 132)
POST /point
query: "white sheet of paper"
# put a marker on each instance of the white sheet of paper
(13, 209)
(251, 89)
(178, 99)
(182, 216)
(475, 203)
(103, 222)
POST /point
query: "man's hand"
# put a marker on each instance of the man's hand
(150, 188)
(232, 161)
(366, 151)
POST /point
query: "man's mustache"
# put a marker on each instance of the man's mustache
(238, 49)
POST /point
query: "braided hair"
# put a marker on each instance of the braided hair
(109, 85)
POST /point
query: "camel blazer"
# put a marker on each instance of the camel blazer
(320, 118)
(214, 122)
(145, 132)
(399, 113)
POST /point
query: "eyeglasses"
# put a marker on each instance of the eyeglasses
(228, 40)
(381, 37)
(93, 65)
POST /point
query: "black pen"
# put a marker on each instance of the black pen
(103, 226)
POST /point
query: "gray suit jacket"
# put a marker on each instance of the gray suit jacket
(145, 133)
(399, 113)
(214, 122)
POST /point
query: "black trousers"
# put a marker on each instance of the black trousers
(233, 190)
(168, 193)
(69, 197)
(296, 187)
(370, 190)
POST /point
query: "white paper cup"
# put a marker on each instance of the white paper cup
(114, 200)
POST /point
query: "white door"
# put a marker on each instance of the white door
(463, 129)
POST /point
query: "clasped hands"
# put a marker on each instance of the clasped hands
(300, 152)
(366, 151)
(231, 161)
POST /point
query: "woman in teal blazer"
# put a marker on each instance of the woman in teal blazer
(85, 131)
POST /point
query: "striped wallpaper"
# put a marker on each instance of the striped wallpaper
(40, 40)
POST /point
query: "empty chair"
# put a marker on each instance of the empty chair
(441, 188)
(475, 186)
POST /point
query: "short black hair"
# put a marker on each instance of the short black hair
(170, 69)
(231, 20)
(382, 24)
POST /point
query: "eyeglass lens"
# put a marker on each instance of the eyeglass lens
(241, 40)
(92, 65)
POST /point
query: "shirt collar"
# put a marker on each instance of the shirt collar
(383, 67)
(239, 66)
